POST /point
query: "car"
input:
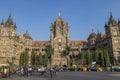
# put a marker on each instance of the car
(116, 69)
(65, 69)
(93, 69)
(41, 69)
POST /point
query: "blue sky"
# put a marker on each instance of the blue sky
(81, 15)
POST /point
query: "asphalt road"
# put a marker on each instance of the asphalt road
(69, 76)
(87, 76)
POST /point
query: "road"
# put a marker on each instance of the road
(87, 76)
(69, 76)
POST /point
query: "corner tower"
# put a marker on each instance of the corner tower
(59, 37)
(112, 30)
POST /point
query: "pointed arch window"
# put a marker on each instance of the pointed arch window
(3, 52)
(115, 32)
(5, 32)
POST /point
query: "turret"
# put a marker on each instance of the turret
(111, 21)
(9, 21)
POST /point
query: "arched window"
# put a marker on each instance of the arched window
(3, 52)
(115, 32)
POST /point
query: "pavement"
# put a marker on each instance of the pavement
(69, 76)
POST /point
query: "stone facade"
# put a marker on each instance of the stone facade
(109, 41)
(12, 44)
(59, 40)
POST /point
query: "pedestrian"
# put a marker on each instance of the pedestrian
(51, 72)
(111, 68)
(22, 71)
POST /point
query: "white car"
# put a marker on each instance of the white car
(42, 69)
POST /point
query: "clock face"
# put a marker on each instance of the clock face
(59, 40)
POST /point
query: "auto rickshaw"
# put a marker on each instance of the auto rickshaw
(4, 70)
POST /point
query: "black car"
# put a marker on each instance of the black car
(93, 69)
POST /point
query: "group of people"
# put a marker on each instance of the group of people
(26, 71)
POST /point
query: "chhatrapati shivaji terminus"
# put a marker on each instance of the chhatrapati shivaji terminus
(62, 51)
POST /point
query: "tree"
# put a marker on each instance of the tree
(66, 53)
(33, 57)
(88, 57)
(96, 56)
(24, 57)
(21, 61)
(45, 59)
(101, 58)
(49, 52)
(81, 57)
(40, 59)
(106, 58)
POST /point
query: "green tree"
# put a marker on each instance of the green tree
(49, 51)
(81, 57)
(40, 59)
(101, 58)
(24, 58)
(66, 53)
(88, 57)
(106, 58)
(96, 56)
(21, 61)
(45, 59)
(33, 57)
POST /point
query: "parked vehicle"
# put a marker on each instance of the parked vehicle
(116, 69)
(93, 69)
(41, 69)
(4, 70)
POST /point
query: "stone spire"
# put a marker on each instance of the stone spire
(9, 20)
(111, 20)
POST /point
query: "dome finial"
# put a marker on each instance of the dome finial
(59, 14)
